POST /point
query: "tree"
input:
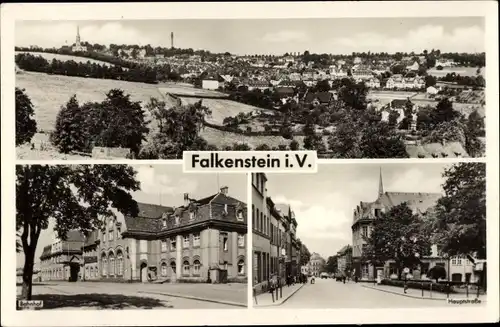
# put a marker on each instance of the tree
(71, 131)
(430, 81)
(241, 147)
(397, 235)
(331, 264)
(294, 145)
(178, 130)
(353, 94)
(437, 272)
(444, 112)
(25, 124)
(75, 197)
(312, 141)
(379, 140)
(305, 255)
(474, 130)
(263, 147)
(461, 212)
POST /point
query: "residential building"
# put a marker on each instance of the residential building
(316, 264)
(344, 260)
(258, 85)
(413, 67)
(319, 98)
(212, 82)
(362, 74)
(61, 259)
(260, 237)
(373, 83)
(90, 257)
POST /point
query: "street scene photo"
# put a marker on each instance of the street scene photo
(370, 236)
(130, 237)
(401, 87)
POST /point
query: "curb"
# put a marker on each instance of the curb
(196, 298)
(283, 301)
(406, 295)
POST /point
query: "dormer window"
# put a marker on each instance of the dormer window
(225, 209)
(164, 223)
(191, 215)
(177, 220)
(239, 216)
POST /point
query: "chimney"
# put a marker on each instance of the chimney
(223, 190)
(186, 199)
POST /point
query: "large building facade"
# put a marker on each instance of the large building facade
(458, 269)
(202, 240)
(61, 259)
(276, 249)
(316, 264)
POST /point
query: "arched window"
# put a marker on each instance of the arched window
(196, 267)
(91, 272)
(185, 267)
(96, 272)
(104, 267)
(119, 264)
(241, 267)
(111, 265)
(163, 269)
(173, 267)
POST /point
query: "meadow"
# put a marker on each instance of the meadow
(61, 57)
(462, 71)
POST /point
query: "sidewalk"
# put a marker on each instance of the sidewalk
(266, 300)
(427, 295)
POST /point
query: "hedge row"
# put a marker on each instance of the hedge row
(426, 285)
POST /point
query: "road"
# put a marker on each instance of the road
(91, 295)
(328, 293)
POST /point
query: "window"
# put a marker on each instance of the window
(191, 215)
(196, 267)
(177, 220)
(173, 244)
(253, 216)
(111, 235)
(454, 261)
(261, 225)
(225, 208)
(241, 240)
(163, 246)
(104, 267)
(377, 212)
(185, 241)
(164, 269)
(240, 215)
(459, 261)
(224, 243)
(173, 267)
(258, 219)
(164, 222)
(241, 267)
(119, 264)
(185, 267)
(364, 231)
(196, 239)
(118, 232)
(111, 266)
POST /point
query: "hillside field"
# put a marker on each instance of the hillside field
(60, 57)
(462, 71)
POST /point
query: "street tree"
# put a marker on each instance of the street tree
(331, 264)
(379, 140)
(461, 212)
(397, 235)
(436, 273)
(473, 131)
(305, 255)
(73, 197)
(25, 123)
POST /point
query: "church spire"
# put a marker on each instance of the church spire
(77, 34)
(380, 184)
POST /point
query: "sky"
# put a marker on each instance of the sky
(324, 202)
(269, 36)
(166, 185)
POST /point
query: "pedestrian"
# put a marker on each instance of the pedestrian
(356, 279)
(344, 278)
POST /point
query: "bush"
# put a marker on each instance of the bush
(263, 147)
(294, 145)
(426, 285)
(25, 124)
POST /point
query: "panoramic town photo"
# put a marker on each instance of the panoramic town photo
(151, 89)
(370, 236)
(130, 237)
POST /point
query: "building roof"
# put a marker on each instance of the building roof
(323, 97)
(431, 150)
(344, 249)
(282, 208)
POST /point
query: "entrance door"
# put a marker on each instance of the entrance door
(74, 269)
(173, 272)
(223, 276)
(144, 272)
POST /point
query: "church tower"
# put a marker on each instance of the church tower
(77, 35)
(380, 185)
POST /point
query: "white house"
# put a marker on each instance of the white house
(431, 90)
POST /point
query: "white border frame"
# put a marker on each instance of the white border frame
(109, 11)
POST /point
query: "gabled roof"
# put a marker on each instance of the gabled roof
(284, 209)
(323, 97)
(148, 219)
